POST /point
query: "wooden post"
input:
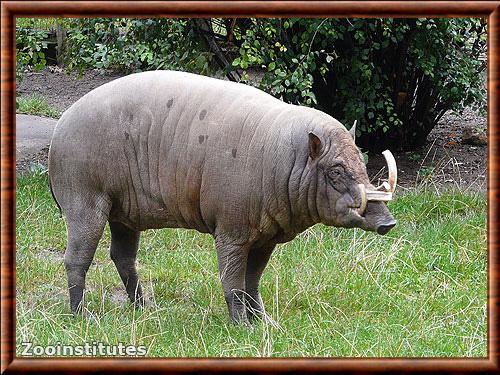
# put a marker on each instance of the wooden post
(60, 36)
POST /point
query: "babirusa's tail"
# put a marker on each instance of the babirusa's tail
(53, 196)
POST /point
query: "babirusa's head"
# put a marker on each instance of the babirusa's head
(344, 196)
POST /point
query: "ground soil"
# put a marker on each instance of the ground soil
(443, 162)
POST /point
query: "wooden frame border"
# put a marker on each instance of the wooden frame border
(12, 9)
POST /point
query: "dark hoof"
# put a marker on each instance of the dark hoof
(241, 323)
(240, 319)
(139, 303)
(85, 315)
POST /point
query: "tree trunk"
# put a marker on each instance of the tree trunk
(204, 28)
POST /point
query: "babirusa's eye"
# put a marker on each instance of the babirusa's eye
(335, 173)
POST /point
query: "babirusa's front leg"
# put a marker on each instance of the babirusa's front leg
(232, 266)
(257, 261)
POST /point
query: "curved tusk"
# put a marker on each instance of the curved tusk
(352, 131)
(362, 193)
(384, 191)
(393, 171)
(383, 187)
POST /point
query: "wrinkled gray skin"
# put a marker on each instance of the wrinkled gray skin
(171, 149)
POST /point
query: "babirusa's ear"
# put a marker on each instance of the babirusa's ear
(315, 146)
(352, 131)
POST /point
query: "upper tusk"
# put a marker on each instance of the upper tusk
(393, 171)
(385, 191)
(362, 192)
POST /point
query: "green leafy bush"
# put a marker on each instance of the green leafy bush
(30, 43)
(131, 45)
(397, 77)
(41, 23)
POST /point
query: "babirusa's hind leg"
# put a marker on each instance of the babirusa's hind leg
(85, 228)
(123, 251)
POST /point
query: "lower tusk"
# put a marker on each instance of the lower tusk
(384, 187)
(375, 195)
(393, 171)
(362, 193)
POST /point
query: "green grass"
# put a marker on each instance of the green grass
(36, 105)
(419, 291)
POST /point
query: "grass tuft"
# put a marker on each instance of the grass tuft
(36, 105)
(419, 291)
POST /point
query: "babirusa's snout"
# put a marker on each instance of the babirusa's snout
(385, 227)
